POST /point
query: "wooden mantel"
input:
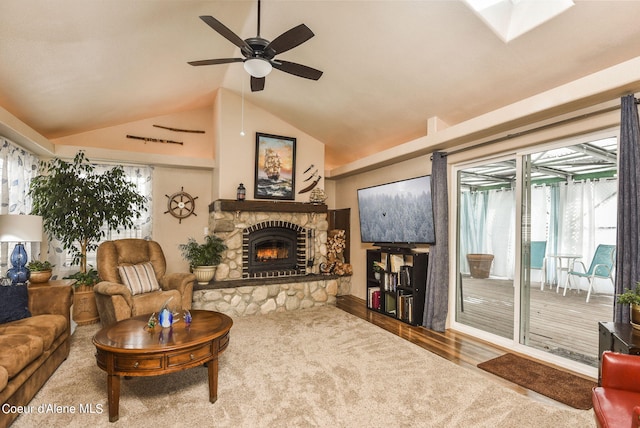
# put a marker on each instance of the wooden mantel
(266, 206)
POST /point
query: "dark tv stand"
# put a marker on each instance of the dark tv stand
(398, 291)
(396, 248)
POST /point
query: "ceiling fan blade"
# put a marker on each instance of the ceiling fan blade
(290, 39)
(297, 69)
(257, 83)
(225, 32)
(215, 61)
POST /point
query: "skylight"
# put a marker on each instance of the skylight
(512, 18)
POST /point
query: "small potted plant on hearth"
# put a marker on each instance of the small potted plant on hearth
(41, 271)
(632, 297)
(203, 258)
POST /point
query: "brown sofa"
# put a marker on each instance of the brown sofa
(115, 300)
(32, 348)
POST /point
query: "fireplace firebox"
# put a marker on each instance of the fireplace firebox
(274, 248)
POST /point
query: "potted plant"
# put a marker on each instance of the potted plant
(41, 271)
(85, 309)
(378, 268)
(203, 258)
(632, 297)
(77, 204)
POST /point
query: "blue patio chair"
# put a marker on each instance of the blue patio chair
(601, 267)
(538, 259)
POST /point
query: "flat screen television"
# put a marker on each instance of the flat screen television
(397, 213)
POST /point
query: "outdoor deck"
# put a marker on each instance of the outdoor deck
(562, 325)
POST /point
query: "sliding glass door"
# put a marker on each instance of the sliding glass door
(486, 256)
(569, 210)
(528, 226)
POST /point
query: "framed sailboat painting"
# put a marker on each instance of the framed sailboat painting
(275, 167)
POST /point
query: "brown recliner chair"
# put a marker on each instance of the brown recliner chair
(116, 301)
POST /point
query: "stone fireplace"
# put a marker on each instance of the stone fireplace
(273, 259)
(269, 239)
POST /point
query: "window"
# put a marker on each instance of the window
(17, 168)
(142, 176)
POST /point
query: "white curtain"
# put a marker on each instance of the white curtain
(574, 218)
(17, 168)
(488, 219)
(588, 219)
(500, 229)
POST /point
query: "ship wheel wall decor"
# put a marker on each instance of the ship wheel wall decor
(181, 205)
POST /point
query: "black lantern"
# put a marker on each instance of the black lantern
(242, 192)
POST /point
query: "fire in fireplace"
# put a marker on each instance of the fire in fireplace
(272, 251)
(274, 248)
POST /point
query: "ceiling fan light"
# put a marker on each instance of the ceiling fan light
(258, 67)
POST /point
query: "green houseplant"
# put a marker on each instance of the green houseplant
(378, 269)
(632, 297)
(203, 258)
(75, 203)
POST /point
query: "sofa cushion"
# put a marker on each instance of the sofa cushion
(140, 278)
(4, 378)
(48, 327)
(14, 303)
(153, 302)
(18, 350)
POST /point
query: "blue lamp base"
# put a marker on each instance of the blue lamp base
(19, 273)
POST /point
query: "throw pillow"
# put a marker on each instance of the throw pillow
(139, 278)
(14, 303)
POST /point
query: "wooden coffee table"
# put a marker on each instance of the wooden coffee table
(126, 348)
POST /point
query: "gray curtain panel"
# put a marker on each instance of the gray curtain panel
(628, 232)
(436, 299)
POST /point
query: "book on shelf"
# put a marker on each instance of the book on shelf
(390, 281)
(405, 307)
(374, 298)
(390, 303)
(401, 306)
(396, 260)
(405, 276)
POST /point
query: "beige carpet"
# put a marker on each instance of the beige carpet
(317, 367)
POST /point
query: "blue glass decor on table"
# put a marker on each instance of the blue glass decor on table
(165, 316)
(19, 273)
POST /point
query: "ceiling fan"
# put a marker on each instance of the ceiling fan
(259, 54)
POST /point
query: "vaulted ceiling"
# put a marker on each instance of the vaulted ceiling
(70, 66)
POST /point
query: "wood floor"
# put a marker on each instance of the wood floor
(459, 348)
(562, 325)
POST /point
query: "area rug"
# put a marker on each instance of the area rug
(317, 367)
(564, 387)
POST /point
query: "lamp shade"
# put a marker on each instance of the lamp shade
(258, 67)
(20, 228)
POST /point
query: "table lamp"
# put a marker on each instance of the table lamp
(20, 228)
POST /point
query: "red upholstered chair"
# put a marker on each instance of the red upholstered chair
(616, 402)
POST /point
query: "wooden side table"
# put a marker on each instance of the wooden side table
(617, 337)
(53, 283)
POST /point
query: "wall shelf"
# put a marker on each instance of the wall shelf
(266, 206)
